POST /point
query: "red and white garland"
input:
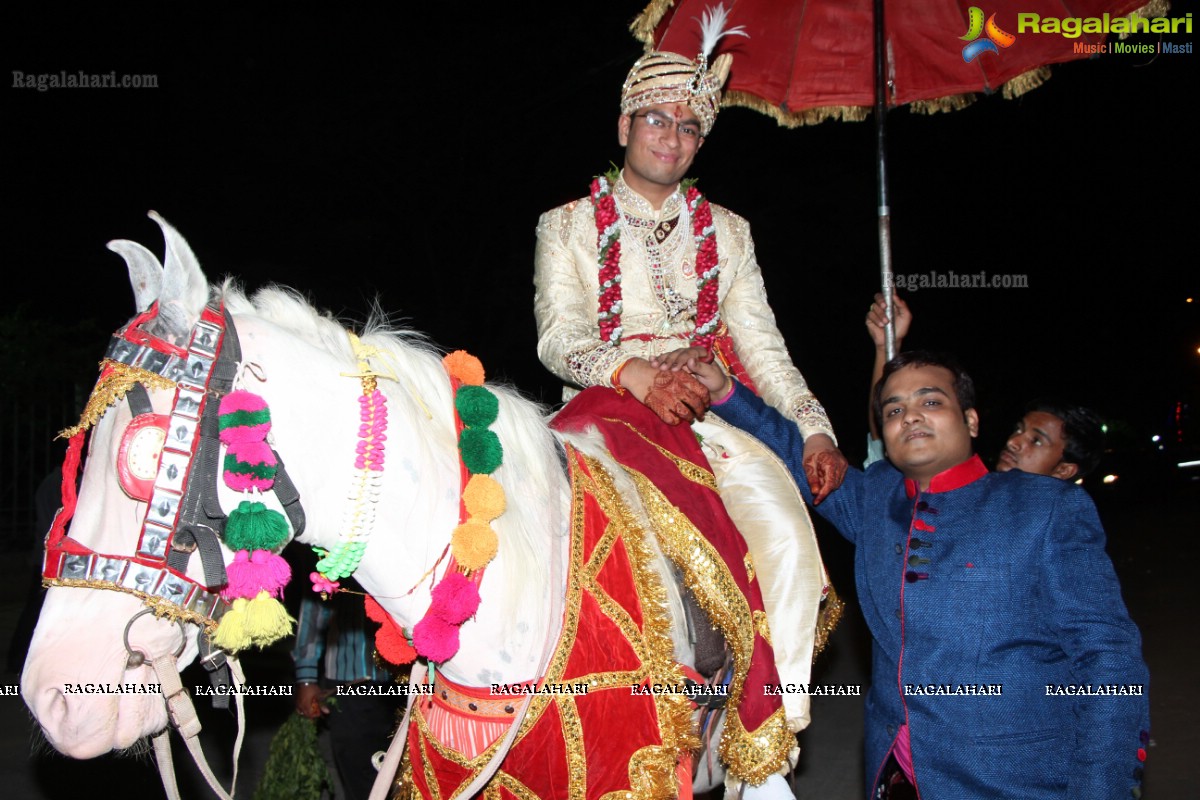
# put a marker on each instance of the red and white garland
(608, 241)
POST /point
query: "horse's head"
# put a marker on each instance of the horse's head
(125, 551)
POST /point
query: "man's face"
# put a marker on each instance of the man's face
(1036, 446)
(924, 429)
(660, 142)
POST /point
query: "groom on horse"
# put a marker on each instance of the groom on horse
(639, 277)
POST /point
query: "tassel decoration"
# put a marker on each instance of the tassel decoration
(267, 621)
(259, 571)
(231, 635)
(253, 526)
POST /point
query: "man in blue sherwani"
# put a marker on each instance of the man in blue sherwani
(1004, 662)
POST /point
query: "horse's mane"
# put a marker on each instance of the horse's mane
(530, 448)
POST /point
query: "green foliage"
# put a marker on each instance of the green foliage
(295, 769)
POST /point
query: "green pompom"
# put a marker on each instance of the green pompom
(253, 526)
(477, 406)
(481, 450)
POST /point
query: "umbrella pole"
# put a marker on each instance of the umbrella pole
(885, 216)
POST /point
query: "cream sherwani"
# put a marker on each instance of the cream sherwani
(658, 315)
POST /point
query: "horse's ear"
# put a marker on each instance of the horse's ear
(145, 273)
(184, 287)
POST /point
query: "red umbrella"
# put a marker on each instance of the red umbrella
(805, 61)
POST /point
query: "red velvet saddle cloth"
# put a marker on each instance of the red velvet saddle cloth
(590, 732)
(594, 728)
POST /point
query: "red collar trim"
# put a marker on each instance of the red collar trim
(956, 477)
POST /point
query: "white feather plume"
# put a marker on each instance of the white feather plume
(712, 28)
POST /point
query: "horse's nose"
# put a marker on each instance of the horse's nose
(51, 708)
(63, 727)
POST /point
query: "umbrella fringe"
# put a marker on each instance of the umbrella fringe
(1025, 82)
(942, 105)
(795, 119)
(644, 24)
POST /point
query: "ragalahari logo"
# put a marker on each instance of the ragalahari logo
(996, 38)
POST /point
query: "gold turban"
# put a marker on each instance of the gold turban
(662, 77)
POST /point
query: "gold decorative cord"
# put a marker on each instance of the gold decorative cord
(162, 608)
(116, 379)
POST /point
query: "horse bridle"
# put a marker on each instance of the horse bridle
(183, 514)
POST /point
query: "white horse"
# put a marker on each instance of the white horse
(302, 363)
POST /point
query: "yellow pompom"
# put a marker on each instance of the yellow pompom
(267, 620)
(473, 544)
(484, 498)
(464, 366)
(231, 635)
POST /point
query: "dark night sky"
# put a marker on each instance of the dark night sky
(406, 156)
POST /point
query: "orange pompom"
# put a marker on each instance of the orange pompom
(465, 367)
(473, 544)
(484, 498)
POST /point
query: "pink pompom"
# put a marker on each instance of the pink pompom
(241, 482)
(251, 410)
(255, 453)
(435, 639)
(245, 433)
(242, 400)
(252, 573)
(250, 465)
(455, 598)
(275, 565)
(243, 578)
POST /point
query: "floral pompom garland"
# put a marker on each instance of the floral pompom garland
(473, 544)
(608, 240)
(708, 313)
